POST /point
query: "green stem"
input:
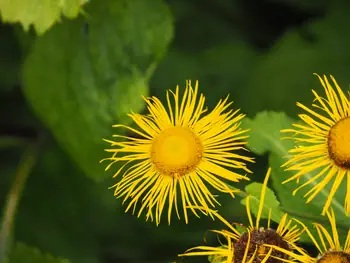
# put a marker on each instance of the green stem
(24, 168)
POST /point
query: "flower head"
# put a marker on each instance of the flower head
(252, 246)
(323, 144)
(178, 153)
(329, 247)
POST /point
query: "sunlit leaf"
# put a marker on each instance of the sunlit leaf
(41, 14)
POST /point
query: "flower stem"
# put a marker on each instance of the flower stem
(24, 168)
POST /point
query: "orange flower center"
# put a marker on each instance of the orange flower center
(339, 143)
(335, 257)
(176, 151)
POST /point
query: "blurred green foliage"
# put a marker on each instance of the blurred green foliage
(87, 72)
(23, 253)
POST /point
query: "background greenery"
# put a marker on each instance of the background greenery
(69, 71)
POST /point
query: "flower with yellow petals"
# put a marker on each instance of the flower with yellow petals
(178, 153)
(329, 247)
(251, 245)
(324, 144)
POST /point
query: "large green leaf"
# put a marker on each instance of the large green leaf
(23, 253)
(41, 14)
(265, 132)
(266, 137)
(85, 75)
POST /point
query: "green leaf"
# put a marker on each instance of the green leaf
(23, 253)
(265, 132)
(270, 202)
(266, 137)
(296, 206)
(41, 14)
(84, 76)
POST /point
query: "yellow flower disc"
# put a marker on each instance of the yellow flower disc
(176, 151)
(339, 143)
(335, 257)
(322, 155)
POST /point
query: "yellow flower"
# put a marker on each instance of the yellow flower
(178, 153)
(251, 246)
(330, 250)
(324, 144)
